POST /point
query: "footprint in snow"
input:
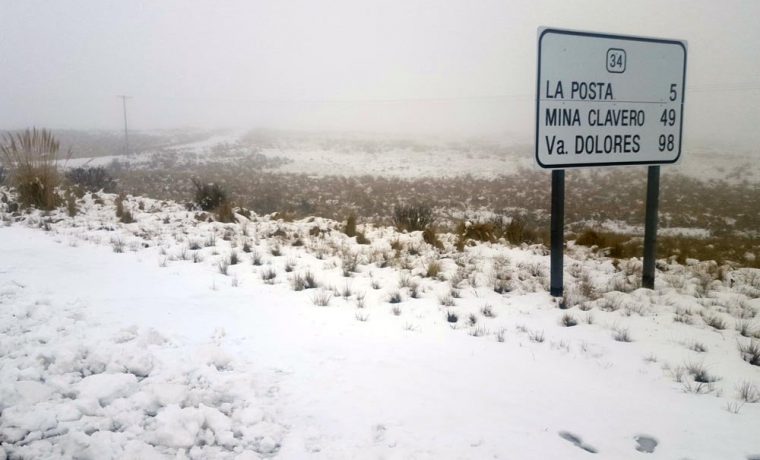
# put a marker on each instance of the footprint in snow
(379, 432)
(566, 435)
(645, 443)
(379, 436)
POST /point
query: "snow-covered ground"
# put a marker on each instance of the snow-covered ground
(327, 156)
(405, 163)
(191, 152)
(144, 340)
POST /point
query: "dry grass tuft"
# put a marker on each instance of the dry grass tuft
(31, 157)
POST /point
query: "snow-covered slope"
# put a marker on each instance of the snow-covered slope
(143, 340)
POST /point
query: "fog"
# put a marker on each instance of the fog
(427, 67)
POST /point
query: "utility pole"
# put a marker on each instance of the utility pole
(126, 132)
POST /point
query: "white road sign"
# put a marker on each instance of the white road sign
(608, 99)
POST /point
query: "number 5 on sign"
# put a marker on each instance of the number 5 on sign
(673, 91)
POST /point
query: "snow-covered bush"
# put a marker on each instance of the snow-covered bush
(31, 157)
(92, 179)
(750, 351)
(412, 217)
(209, 196)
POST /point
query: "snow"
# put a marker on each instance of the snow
(616, 226)
(371, 156)
(145, 354)
(407, 163)
(183, 152)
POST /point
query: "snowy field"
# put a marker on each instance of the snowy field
(189, 152)
(175, 337)
(351, 156)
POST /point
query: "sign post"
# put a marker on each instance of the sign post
(607, 100)
(557, 232)
(650, 226)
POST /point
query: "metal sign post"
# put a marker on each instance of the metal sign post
(557, 232)
(607, 100)
(650, 226)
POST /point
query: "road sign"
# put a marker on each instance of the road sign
(608, 99)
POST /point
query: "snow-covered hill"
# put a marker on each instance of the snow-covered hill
(176, 336)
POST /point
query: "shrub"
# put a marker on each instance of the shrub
(518, 232)
(433, 269)
(118, 245)
(748, 392)
(225, 213)
(350, 228)
(290, 265)
(3, 174)
(590, 238)
(305, 281)
(346, 291)
(750, 352)
(396, 245)
(349, 262)
(744, 328)
(500, 335)
(32, 160)
(568, 320)
(414, 290)
(92, 179)
(119, 202)
(698, 347)
(714, 321)
(472, 319)
(536, 336)
(394, 297)
(412, 217)
(699, 373)
(621, 334)
(451, 317)
(360, 300)
(209, 196)
(501, 277)
(476, 231)
(124, 215)
(487, 311)
(431, 238)
(447, 301)
(321, 298)
(361, 317)
(71, 203)
(268, 275)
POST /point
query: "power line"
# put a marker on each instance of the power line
(126, 132)
(744, 86)
(346, 101)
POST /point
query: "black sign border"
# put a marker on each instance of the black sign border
(613, 37)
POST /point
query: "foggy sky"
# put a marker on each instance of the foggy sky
(456, 67)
